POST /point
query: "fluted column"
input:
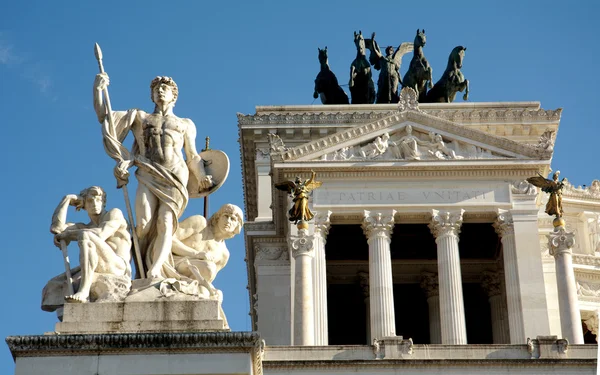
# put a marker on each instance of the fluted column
(560, 243)
(322, 224)
(363, 279)
(302, 251)
(491, 283)
(378, 229)
(429, 283)
(504, 226)
(445, 227)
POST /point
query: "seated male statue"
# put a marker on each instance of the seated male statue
(199, 250)
(104, 243)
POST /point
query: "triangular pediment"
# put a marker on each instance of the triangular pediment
(411, 135)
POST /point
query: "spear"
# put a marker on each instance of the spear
(207, 147)
(136, 245)
(63, 248)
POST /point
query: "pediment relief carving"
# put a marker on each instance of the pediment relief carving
(408, 144)
(433, 139)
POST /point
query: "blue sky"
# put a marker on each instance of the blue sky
(228, 57)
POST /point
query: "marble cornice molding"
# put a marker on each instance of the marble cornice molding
(359, 132)
(259, 226)
(27, 346)
(587, 260)
(591, 192)
(474, 115)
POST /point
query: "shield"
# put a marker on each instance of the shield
(216, 164)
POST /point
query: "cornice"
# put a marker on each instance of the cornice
(26, 346)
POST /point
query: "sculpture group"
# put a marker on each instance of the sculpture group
(419, 75)
(169, 171)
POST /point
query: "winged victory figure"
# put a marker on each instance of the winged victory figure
(554, 188)
(389, 65)
(300, 191)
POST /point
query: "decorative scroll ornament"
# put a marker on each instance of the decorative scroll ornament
(408, 100)
(302, 244)
(276, 144)
(504, 225)
(523, 187)
(560, 241)
(378, 224)
(546, 141)
(446, 223)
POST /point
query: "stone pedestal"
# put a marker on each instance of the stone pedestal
(304, 315)
(378, 229)
(143, 316)
(322, 224)
(560, 243)
(491, 283)
(429, 283)
(445, 227)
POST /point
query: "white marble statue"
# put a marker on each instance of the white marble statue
(407, 147)
(199, 250)
(162, 172)
(437, 148)
(104, 243)
(376, 148)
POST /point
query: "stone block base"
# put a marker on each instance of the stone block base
(143, 316)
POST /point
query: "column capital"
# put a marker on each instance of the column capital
(301, 245)
(430, 284)
(322, 223)
(444, 223)
(491, 283)
(378, 223)
(504, 224)
(560, 241)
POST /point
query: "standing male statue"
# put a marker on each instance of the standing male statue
(104, 242)
(162, 172)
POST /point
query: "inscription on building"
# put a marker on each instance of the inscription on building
(412, 195)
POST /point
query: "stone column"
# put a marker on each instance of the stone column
(429, 283)
(505, 228)
(378, 229)
(560, 243)
(492, 283)
(322, 224)
(363, 279)
(304, 316)
(445, 227)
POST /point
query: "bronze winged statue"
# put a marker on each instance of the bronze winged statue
(300, 191)
(554, 188)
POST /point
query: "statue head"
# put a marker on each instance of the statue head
(555, 175)
(165, 88)
(389, 51)
(93, 200)
(408, 129)
(227, 221)
(323, 55)
(420, 38)
(456, 57)
(385, 136)
(359, 41)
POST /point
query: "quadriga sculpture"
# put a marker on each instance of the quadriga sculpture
(326, 83)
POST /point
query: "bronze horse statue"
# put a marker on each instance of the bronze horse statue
(362, 88)
(452, 80)
(419, 75)
(326, 83)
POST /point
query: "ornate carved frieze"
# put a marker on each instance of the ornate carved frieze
(378, 223)
(259, 226)
(271, 254)
(588, 289)
(446, 223)
(311, 118)
(586, 192)
(430, 284)
(504, 225)
(496, 115)
(225, 341)
(491, 282)
(586, 260)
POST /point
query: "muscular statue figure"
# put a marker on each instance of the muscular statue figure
(199, 250)
(104, 242)
(162, 172)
